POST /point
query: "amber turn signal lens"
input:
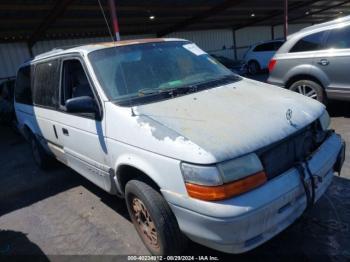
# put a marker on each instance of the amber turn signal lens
(214, 193)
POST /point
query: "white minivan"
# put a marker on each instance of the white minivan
(196, 151)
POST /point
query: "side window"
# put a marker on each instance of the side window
(277, 45)
(74, 81)
(309, 43)
(339, 38)
(46, 82)
(264, 47)
(23, 90)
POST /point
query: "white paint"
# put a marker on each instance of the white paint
(206, 127)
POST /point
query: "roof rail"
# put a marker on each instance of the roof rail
(51, 52)
(329, 23)
(65, 47)
(56, 50)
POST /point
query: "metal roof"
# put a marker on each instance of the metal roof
(33, 20)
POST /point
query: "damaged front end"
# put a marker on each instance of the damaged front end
(299, 147)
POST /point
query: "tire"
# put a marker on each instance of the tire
(310, 89)
(147, 206)
(253, 67)
(41, 158)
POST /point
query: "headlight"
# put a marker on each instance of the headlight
(239, 168)
(325, 120)
(201, 175)
(224, 180)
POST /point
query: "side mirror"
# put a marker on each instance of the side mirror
(82, 104)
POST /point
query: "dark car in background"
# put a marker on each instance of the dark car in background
(236, 66)
(7, 114)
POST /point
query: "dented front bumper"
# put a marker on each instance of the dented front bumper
(242, 223)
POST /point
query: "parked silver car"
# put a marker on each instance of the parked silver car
(315, 61)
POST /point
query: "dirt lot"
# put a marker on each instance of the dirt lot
(61, 213)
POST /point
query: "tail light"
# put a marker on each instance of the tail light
(272, 64)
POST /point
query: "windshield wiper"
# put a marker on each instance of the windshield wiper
(187, 88)
(170, 91)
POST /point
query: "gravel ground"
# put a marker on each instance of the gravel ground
(61, 213)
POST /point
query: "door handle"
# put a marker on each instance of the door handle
(54, 129)
(65, 131)
(323, 62)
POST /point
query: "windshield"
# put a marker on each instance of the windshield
(134, 72)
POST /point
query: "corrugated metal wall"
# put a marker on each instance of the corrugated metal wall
(221, 41)
(291, 29)
(245, 37)
(12, 55)
(218, 42)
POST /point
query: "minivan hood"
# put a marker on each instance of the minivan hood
(235, 119)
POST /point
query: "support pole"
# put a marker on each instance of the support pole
(30, 50)
(272, 33)
(234, 43)
(285, 19)
(113, 11)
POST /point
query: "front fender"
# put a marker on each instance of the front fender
(164, 171)
(138, 163)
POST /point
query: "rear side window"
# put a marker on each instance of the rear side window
(339, 38)
(46, 83)
(23, 90)
(265, 47)
(277, 45)
(311, 42)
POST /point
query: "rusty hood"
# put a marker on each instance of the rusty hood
(233, 120)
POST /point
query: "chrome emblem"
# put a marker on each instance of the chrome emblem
(289, 115)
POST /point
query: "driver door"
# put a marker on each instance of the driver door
(82, 134)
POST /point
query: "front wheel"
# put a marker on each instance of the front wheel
(153, 219)
(310, 89)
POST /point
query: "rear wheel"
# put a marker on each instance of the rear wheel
(153, 219)
(310, 89)
(253, 67)
(41, 158)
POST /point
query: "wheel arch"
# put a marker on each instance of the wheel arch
(254, 60)
(299, 77)
(129, 168)
(27, 131)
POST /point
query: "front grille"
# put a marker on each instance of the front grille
(283, 155)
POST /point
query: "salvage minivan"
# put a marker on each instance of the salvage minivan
(196, 151)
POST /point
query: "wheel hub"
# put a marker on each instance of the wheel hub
(145, 223)
(306, 91)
